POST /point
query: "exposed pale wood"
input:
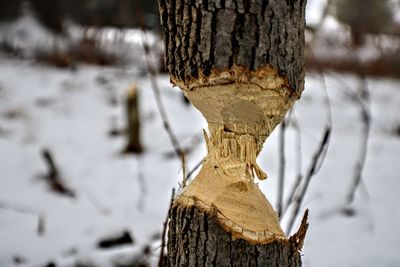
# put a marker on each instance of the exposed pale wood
(241, 112)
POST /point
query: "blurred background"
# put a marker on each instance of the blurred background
(92, 135)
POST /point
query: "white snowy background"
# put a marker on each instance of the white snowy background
(71, 112)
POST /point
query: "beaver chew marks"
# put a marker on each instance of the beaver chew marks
(242, 108)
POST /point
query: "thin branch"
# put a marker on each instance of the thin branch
(156, 90)
(316, 159)
(190, 173)
(366, 129)
(363, 100)
(281, 176)
(299, 175)
(164, 232)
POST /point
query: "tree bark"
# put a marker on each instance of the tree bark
(202, 35)
(205, 243)
(241, 63)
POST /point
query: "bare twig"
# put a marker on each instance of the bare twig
(364, 101)
(317, 159)
(299, 175)
(314, 167)
(164, 232)
(190, 173)
(281, 177)
(188, 148)
(156, 90)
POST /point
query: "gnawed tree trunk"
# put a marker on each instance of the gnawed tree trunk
(241, 64)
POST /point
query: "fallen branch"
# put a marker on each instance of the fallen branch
(115, 241)
(53, 176)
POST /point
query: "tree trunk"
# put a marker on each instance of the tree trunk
(205, 243)
(241, 64)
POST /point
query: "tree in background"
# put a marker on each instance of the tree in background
(117, 13)
(364, 16)
(241, 63)
(51, 14)
(10, 9)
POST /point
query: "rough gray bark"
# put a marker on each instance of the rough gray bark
(205, 243)
(203, 35)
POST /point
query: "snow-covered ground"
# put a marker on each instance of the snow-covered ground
(71, 113)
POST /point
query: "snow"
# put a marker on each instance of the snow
(26, 34)
(314, 11)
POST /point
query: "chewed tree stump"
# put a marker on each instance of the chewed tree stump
(241, 64)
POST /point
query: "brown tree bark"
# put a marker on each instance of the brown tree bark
(196, 239)
(241, 63)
